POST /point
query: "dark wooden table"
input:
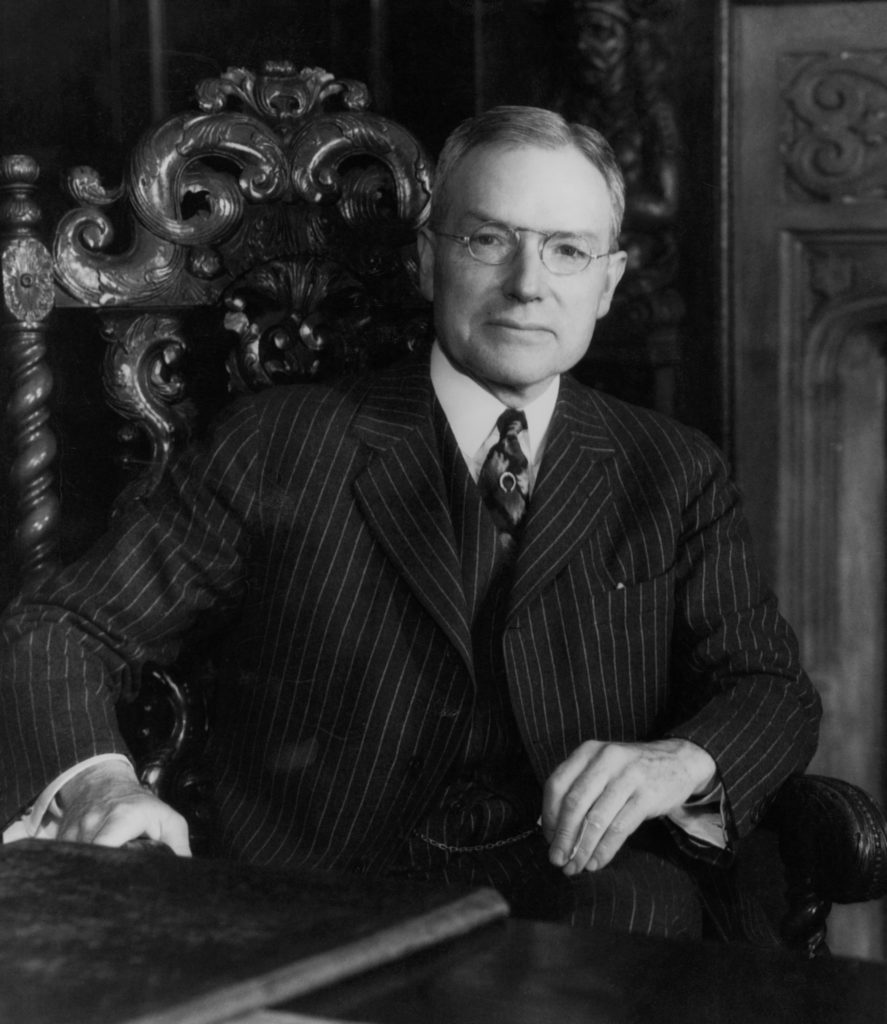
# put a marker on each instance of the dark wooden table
(521, 972)
(92, 936)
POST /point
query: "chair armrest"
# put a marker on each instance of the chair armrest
(833, 844)
(166, 724)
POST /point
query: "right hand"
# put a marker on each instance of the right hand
(106, 805)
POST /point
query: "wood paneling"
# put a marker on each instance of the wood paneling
(807, 331)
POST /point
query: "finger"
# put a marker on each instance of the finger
(598, 820)
(603, 844)
(594, 827)
(574, 821)
(559, 783)
(173, 831)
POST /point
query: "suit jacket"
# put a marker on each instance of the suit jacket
(313, 528)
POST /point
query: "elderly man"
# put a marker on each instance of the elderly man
(492, 626)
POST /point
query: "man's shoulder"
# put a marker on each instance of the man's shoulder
(334, 399)
(636, 432)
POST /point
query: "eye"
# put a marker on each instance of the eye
(491, 237)
(569, 248)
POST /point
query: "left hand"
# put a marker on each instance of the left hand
(603, 791)
(105, 804)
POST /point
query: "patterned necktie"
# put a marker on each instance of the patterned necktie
(504, 479)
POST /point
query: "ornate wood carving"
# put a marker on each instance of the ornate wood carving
(283, 197)
(144, 383)
(27, 280)
(833, 841)
(28, 299)
(835, 126)
(619, 61)
(213, 193)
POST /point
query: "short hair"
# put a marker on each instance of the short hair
(512, 127)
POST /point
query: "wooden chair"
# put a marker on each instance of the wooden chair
(283, 210)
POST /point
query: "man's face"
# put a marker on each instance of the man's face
(515, 326)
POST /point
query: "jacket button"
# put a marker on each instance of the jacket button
(414, 765)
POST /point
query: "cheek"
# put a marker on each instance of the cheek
(460, 291)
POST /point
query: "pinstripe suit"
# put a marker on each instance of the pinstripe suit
(317, 524)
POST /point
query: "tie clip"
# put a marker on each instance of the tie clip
(507, 481)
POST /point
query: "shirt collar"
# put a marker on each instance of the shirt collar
(472, 411)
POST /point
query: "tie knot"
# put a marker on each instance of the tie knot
(511, 422)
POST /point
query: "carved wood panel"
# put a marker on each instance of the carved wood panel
(834, 130)
(806, 275)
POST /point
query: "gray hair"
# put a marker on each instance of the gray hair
(513, 127)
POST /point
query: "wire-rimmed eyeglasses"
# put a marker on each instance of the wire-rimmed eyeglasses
(562, 252)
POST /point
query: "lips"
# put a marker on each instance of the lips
(518, 325)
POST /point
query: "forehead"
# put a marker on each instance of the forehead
(527, 186)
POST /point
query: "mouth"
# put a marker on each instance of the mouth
(529, 327)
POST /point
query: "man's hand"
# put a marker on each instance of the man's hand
(105, 805)
(603, 791)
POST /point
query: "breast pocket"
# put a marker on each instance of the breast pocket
(606, 673)
(632, 626)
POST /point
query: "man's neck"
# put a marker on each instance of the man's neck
(472, 410)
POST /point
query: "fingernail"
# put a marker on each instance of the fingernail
(558, 858)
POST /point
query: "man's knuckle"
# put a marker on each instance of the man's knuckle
(562, 834)
(572, 803)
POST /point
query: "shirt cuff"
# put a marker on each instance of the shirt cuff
(704, 817)
(41, 819)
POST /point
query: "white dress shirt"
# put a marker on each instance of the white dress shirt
(472, 413)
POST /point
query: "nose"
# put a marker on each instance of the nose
(525, 272)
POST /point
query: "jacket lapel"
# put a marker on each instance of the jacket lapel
(571, 494)
(402, 495)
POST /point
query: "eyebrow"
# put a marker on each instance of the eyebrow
(482, 218)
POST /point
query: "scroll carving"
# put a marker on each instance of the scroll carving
(284, 202)
(281, 94)
(144, 384)
(212, 193)
(835, 131)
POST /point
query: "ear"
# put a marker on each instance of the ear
(615, 269)
(425, 247)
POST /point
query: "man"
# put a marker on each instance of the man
(536, 655)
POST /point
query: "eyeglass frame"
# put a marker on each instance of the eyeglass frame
(545, 237)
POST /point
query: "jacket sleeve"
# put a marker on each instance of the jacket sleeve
(169, 565)
(743, 694)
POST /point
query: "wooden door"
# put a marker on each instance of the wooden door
(806, 297)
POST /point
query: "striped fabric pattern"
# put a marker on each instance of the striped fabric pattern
(313, 533)
(490, 793)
